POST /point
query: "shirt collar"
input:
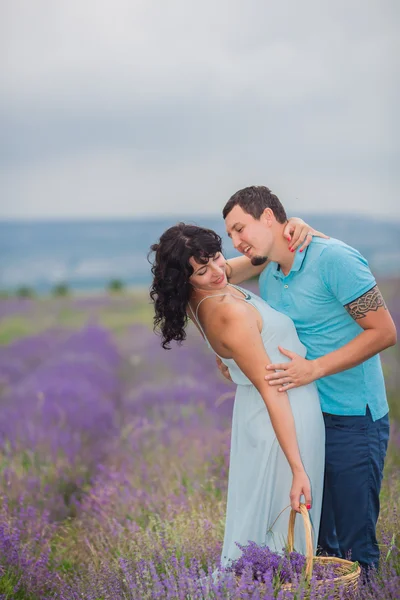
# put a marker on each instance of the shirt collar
(296, 266)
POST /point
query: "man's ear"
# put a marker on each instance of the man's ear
(268, 216)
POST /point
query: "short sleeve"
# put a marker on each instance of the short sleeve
(345, 273)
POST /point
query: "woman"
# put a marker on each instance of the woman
(278, 453)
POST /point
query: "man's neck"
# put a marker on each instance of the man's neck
(281, 254)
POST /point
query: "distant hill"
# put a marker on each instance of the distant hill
(87, 254)
(378, 240)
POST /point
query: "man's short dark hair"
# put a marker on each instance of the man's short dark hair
(254, 200)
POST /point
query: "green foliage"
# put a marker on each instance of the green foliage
(25, 291)
(14, 327)
(10, 588)
(67, 567)
(187, 484)
(116, 285)
(61, 289)
(394, 405)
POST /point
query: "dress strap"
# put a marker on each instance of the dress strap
(195, 313)
(210, 296)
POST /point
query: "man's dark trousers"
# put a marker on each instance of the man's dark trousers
(355, 453)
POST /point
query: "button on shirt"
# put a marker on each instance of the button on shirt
(324, 278)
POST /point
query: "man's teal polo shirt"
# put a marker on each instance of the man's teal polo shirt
(325, 277)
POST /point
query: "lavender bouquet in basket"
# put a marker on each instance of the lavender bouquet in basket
(268, 565)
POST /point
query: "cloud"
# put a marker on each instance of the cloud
(105, 103)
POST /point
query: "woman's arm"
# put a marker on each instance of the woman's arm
(240, 269)
(236, 329)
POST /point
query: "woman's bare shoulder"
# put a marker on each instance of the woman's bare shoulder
(227, 312)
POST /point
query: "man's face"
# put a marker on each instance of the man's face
(252, 237)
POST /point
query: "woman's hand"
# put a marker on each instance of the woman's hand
(223, 368)
(299, 233)
(300, 487)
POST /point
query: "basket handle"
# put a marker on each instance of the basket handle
(309, 542)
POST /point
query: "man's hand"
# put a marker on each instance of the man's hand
(223, 368)
(299, 371)
(299, 233)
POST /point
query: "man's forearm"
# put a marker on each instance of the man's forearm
(361, 348)
(240, 269)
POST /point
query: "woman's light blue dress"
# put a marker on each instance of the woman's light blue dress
(260, 477)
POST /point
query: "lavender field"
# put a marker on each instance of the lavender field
(114, 457)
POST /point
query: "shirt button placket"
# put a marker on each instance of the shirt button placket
(285, 296)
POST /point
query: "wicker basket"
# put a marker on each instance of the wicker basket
(347, 573)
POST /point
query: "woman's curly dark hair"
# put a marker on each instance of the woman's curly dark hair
(171, 290)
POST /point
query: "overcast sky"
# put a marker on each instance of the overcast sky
(144, 107)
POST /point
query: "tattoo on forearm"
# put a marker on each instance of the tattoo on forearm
(371, 300)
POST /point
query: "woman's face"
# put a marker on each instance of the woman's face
(210, 276)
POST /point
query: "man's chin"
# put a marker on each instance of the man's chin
(256, 261)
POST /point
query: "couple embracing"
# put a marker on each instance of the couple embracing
(310, 420)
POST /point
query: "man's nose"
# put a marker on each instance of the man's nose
(235, 240)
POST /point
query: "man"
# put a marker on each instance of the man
(340, 316)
